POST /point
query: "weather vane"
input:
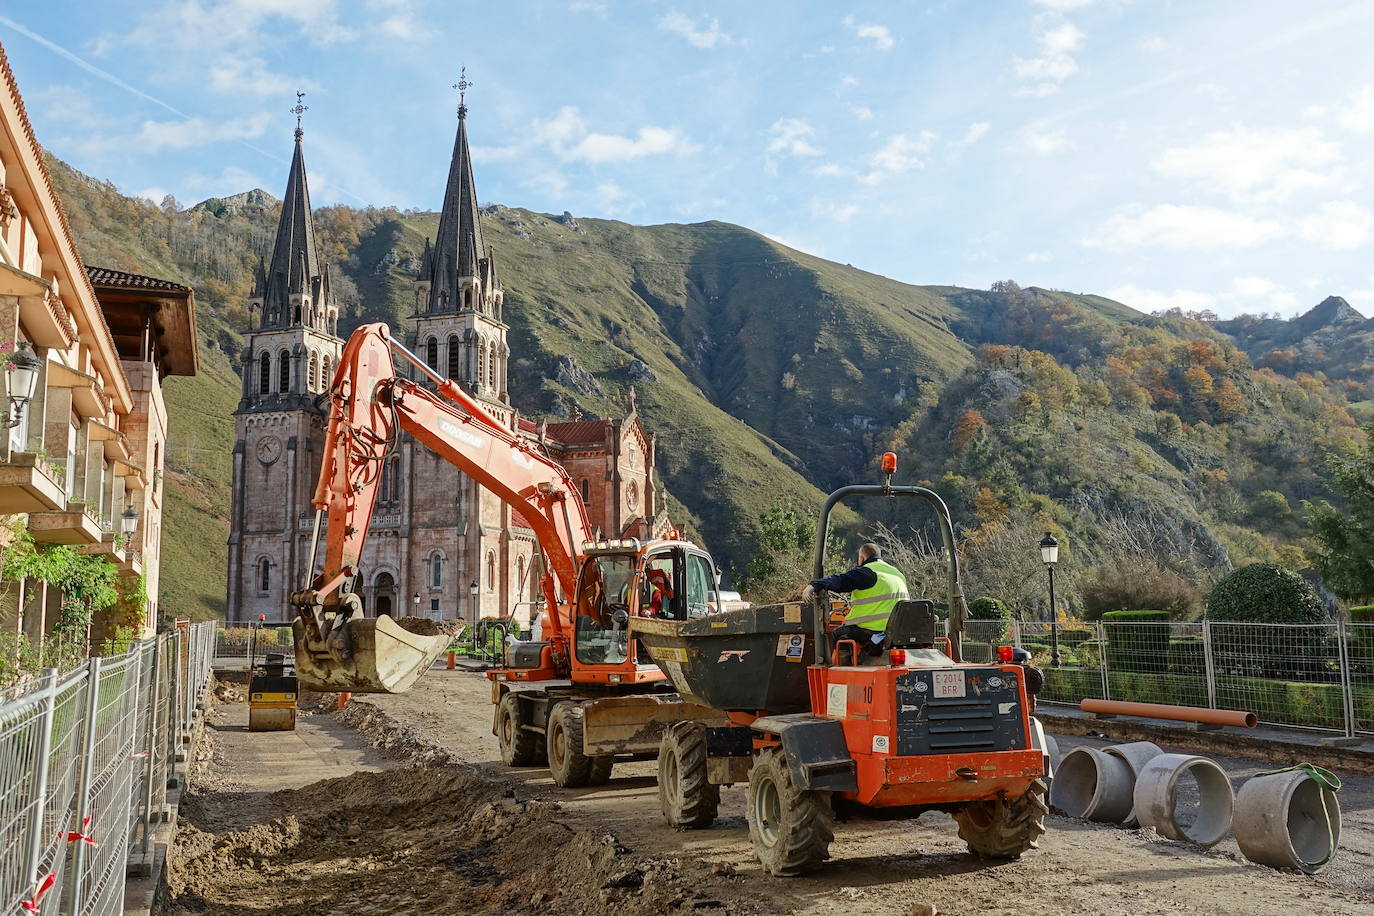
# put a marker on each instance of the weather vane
(463, 85)
(299, 110)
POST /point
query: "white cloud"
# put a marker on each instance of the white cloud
(899, 155)
(589, 6)
(863, 112)
(251, 76)
(1037, 257)
(214, 26)
(834, 211)
(1058, 39)
(567, 136)
(1153, 44)
(1155, 300)
(615, 200)
(1038, 140)
(1183, 228)
(705, 35)
(1255, 165)
(154, 136)
(1253, 287)
(1358, 114)
(153, 195)
(551, 181)
(1341, 225)
(792, 136)
(975, 132)
(1064, 6)
(880, 36)
(849, 80)
(231, 180)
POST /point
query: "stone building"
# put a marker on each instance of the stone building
(82, 453)
(439, 545)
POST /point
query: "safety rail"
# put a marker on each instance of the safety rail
(1317, 676)
(86, 759)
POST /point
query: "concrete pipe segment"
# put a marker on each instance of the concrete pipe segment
(1093, 785)
(1136, 754)
(1157, 799)
(1288, 820)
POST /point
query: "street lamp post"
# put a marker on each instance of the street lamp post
(475, 591)
(1049, 553)
(415, 599)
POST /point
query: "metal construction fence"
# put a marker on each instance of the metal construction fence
(1314, 676)
(86, 759)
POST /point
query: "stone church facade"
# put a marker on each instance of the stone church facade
(439, 545)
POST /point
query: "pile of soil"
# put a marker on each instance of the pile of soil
(423, 626)
(427, 839)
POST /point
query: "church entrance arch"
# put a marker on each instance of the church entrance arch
(385, 590)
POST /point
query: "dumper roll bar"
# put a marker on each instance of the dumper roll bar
(955, 588)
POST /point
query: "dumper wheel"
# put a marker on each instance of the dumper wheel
(1004, 828)
(519, 745)
(790, 828)
(600, 773)
(570, 767)
(687, 799)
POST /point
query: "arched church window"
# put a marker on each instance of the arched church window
(491, 369)
(520, 574)
(296, 313)
(265, 374)
(455, 354)
(491, 571)
(432, 353)
(325, 378)
(481, 362)
(284, 372)
(586, 492)
(314, 371)
(264, 575)
(436, 575)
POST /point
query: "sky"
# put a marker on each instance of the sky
(1207, 154)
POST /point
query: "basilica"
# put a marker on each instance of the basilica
(439, 545)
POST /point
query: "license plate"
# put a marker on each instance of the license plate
(949, 684)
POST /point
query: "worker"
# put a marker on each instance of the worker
(874, 588)
(658, 594)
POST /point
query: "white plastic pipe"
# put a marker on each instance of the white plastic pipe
(1280, 821)
(1136, 754)
(1156, 799)
(1093, 785)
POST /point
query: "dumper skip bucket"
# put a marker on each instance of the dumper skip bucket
(372, 655)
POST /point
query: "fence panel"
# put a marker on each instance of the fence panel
(98, 743)
(1287, 674)
(1359, 649)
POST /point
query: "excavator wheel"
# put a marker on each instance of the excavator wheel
(570, 767)
(790, 828)
(687, 799)
(519, 745)
(1004, 828)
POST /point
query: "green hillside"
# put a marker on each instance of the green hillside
(770, 376)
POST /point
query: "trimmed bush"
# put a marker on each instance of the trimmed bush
(1137, 641)
(1264, 593)
(989, 609)
(1072, 636)
(1187, 656)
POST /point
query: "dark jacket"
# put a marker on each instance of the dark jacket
(857, 578)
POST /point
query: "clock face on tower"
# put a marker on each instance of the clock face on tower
(269, 449)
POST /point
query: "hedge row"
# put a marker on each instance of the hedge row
(1137, 641)
(1288, 702)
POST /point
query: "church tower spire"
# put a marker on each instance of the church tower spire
(293, 289)
(459, 273)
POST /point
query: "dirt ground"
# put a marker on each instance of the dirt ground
(448, 829)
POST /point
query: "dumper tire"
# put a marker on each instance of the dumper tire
(601, 770)
(688, 800)
(570, 767)
(790, 828)
(519, 745)
(1004, 828)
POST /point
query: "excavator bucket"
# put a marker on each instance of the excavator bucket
(363, 655)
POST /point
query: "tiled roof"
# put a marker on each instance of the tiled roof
(108, 276)
(579, 432)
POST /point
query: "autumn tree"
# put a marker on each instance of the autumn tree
(1345, 537)
(1228, 400)
(968, 427)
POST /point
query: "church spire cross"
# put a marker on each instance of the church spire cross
(299, 109)
(463, 85)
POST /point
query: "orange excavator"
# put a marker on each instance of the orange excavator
(585, 693)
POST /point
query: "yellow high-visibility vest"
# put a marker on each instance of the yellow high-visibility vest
(870, 607)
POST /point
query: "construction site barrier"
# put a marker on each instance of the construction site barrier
(1161, 803)
(1289, 819)
(1093, 785)
(86, 758)
(1136, 754)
